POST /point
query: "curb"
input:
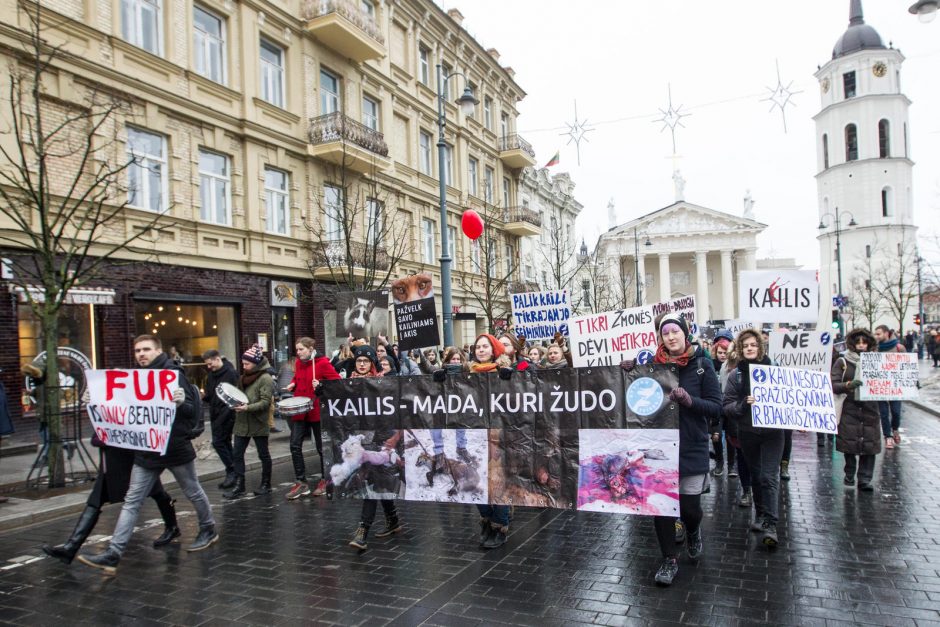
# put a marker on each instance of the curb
(926, 408)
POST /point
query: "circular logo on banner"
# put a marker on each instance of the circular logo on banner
(644, 396)
(644, 357)
(824, 338)
(693, 330)
(760, 375)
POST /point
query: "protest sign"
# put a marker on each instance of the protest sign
(132, 409)
(790, 398)
(790, 296)
(887, 376)
(736, 326)
(415, 312)
(684, 305)
(608, 338)
(539, 315)
(362, 314)
(811, 350)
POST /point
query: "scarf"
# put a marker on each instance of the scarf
(561, 364)
(851, 357)
(888, 345)
(249, 377)
(476, 366)
(374, 373)
(663, 356)
(744, 367)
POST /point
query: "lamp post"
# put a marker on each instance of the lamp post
(925, 10)
(920, 308)
(837, 217)
(466, 103)
(636, 263)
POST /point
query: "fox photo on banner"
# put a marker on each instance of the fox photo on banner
(540, 315)
(415, 312)
(362, 314)
(790, 296)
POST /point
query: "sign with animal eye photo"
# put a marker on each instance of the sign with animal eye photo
(415, 312)
(362, 314)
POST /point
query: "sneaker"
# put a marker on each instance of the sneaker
(746, 499)
(320, 490)
(896, 437)
(667, 571)
(849, 480)
(298, 490)
(757, 525)
(770, 535)
(359, 540)
(107, 561)
(866, 487)
(680, 531)
(207, 537)
(718, 470)
(889, 443)
(695, 545)
(733, 473)
(392, 526)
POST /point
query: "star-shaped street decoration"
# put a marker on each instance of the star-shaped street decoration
(577, 132)
(781, 96)
(672, 117)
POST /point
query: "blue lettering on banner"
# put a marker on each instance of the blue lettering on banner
(790, 398)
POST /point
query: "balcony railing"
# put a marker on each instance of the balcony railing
(515, 142)
(522, 214)
(517, 287)
(348, 9)
(340, 255)
(334, 127)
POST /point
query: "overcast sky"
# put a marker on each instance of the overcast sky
(617, 58)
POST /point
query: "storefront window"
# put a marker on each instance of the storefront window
(283, 350)
(76, 330)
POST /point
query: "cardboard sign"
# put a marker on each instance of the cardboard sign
(362, 314)
(790, 398)
(607, 338)
(539, 315)
(132, 409)
(684, 306)
(790, 296)
(887, 376)
(415, 312)
(810, 350)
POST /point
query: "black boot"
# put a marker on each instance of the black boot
(206, 537)
(497, 536)
(265, 486)
(392, 525)
(229, 481)
(65, 553)
(107, 561)
(238, 490)
(171, 529)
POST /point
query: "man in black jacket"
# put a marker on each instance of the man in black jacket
(180, 459)
(221, 416)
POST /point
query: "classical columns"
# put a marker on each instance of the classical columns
(665, 289)
(641, 276)
(750, 259)
(727, 286)
(701, 286)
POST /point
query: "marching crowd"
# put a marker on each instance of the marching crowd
(713, 395)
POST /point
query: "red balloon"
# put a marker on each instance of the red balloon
(472, 224)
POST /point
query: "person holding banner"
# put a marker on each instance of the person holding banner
(251, 420)
(859, 438)
(762, 448)
(890, 410)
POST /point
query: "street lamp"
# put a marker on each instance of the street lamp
(636, 263)
(466, 102)
(837, 217)
(925, 10)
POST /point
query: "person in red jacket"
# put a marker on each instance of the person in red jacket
(309, 370)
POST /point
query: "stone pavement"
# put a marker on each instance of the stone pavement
(846, 558)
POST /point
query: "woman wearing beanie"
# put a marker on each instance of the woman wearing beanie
(699, 401)
(762, 448)
(251, 421)
(859, 437)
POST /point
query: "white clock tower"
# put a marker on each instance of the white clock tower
(864, 168)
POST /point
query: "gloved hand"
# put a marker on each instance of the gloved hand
(439, 376)
(627, 364)
(680, 396)
(854, 384)
(179, 396)
(505, 373)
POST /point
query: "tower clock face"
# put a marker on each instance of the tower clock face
(879, 69)
(825, 85)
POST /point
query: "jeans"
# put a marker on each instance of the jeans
(690, 510)
(763, 451)
(890, 416)
(496, 514)
(865, 465)
(222, 441)
(142, 481)
(437, 436)
(299, 430)
(370, 505)
(261, 443)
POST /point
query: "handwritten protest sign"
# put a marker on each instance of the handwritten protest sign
(811, 350)
(790, 398)
(887, 376)
(539, 315)
(607, 338)
(778, 296)
(132, 409)
(684, 306)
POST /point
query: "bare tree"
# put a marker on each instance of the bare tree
(896, 282)
(560, 257)
(490, 280)
(864, 299)
(63, 196)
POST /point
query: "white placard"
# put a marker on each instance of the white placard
(791, 398)
(790, 296)
(539, 315)
(684, 306)
(887, 376)
(810, 350)
(606, 339)
(132, 409)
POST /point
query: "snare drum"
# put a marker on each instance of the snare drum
(294, 406)
(231, 395)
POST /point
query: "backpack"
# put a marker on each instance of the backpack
(195, 425)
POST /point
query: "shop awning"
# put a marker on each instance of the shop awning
(75, 296)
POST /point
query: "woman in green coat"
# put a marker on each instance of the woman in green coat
(251, 420)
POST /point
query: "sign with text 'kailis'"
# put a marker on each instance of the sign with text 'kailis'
(790, 296)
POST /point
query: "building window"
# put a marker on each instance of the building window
(209, 45)
(446, 71)
(474, 176)
(452, 242)
(488, 175)
(374, 222)
(868, 251)
(586, 292)
(503, 125)
(214, 181)
(851, 142)
(492, 257)
(368, 7)
(848, 84)
(147, 172)
(329, 93)
(825, 147)
(510, 257)
(679, 279)
(488, 113)
(333, 208)
(449, 164)
(424, 150)
(427, 240)
(905, 140)
(473, 90)
(141, 24)
(835, 256)
(370, 113)
(272, 74)
(884, 141)
(277, 200)
(506, 191)
(475, 256)
(424, 65)
(887, 202)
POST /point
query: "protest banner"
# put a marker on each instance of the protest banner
(887, 376)
(790, 296)
(738, 325)
(132, 409)
(791, 398)
(539, 315)
(415, 312)
(607, 338)
(362, 314)
(684, 305)
(811, 350)
(598, 439)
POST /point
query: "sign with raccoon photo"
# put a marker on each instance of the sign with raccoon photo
(790, 296)
(415, 312)
(362, 314)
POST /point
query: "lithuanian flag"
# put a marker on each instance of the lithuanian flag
(554, 160)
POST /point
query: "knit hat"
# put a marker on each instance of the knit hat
(676, 319)
(367, 351)
(724, 334)
(254, 354)
(498, 349)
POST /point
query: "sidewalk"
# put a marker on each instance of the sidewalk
(929, 400)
